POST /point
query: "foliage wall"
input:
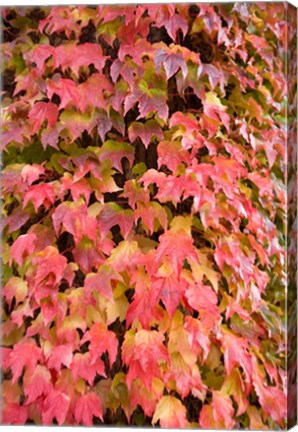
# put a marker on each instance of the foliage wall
(144, 202)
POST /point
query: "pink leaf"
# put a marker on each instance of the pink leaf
(86, 407)
(40, 112)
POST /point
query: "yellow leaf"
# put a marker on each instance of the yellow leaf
(117, 309)
(181, 223)
(171, 413)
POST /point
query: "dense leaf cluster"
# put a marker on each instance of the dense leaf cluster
(144, 215)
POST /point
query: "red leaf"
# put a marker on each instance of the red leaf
(40, 194)
(101, 281)
(31, 173)
(50, 264)
(187, 379)
(272, 399)
(219, 415)
(75, 219)
(153, 100)
(144, 307)
(173, 22)
(145, 131)
(55, 405)
(172, 62)
(24, 354)
(16, 220)
(81, 367)
(75, 56)
(37, 383)
(104, 124)
(150, 213)
(77, 188)
(66, 89)
(169, 291)
(171, 155)
(112, 215)
(236, 351)
(87, 255)
(215, 75)
(91, 92)
(139, 395)
(177, 246)
(61, 355)
(86, 407)
(143, 352)
(60, 19)
(40, 54)
(24, 245)
(203, 299)
(14, 414)
(101, 340)
(198, 336)
(40, 112)
(50, 137)
(135, 193)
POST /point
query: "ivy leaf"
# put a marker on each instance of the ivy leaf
(272, 398)
(214, 74)
(87, 406)
(101, 340)
(219, 415)
(173, 22)
(61, 355)
(145, 131)
(89, 256)
(15, 288)
(31, 173)
(172, 155)
(147, 400)
(169, 290)
(171, 61)
(204, 300)
(91, 92)
(55, 405)
(40, 112)
(40, 194)
(112, 215)
(81, 367)
(177, 246)
(14, 413)
(144, 308)
(24, 245)
(150, 213)
(234, 386)
(40, 54)
(171, 413)
(236, 351)
(214, 109)
(75, 219)
(143, 352)
(37, 383)
(150, 100)
(66, 89)
(24, 354)
(116, 151)
(101, 281)
(49, 264)
(186, 378)
(75, 56)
